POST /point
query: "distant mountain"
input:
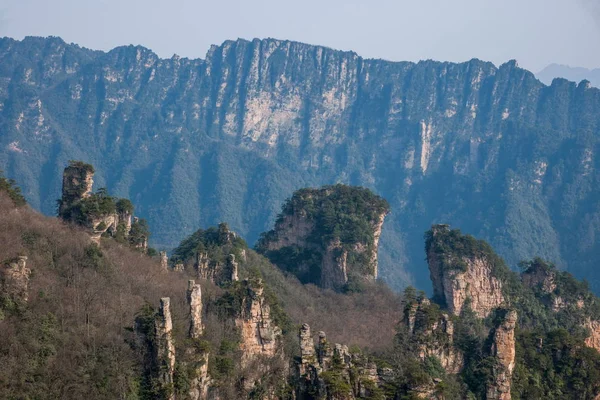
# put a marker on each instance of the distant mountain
(576, 74)
(192, 143)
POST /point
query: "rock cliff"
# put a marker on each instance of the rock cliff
(432, 333)
(503, 351)
(260, 337)
(463, 270)
(230, 136)
(333, 372)
(328, 236)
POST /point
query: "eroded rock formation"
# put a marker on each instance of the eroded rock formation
(463, 269)
(78, 179)
(164, 350)
(322, 239)
(333, 372)
(259, 335)
(503, 350)
(432, 332)
(194, 298)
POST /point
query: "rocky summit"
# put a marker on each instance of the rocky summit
(229, 137)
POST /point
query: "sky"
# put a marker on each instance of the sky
(534, 32)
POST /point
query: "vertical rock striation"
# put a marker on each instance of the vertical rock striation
(328, 236)
(463, 270)
(432, 333)
(164, 350)
(194, 298)
(503, 351)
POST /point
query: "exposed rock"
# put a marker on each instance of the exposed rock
(433, 337)
(164, 261)
(593, 340)
(459, 277)
(14, 277)
(178, 267)
(164, 347)
(540, 277)
(259, 335)
(314, 239)
(78, 179)
(200, 383)
(317, 368)
(233, 267)
(503, 349)
(194, 298)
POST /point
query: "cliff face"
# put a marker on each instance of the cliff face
(259, 335)
(236, 133)
(332, 372)
(462, 271)
(433, 337)
(328, 236)
(503, 351)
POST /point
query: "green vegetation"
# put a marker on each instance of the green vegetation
(341, 215)
(10, 187)
(216, 242)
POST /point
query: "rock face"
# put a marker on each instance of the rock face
(194, 298)
(485, 139)
(78, 179)
(164, 261)
(259, 335)
(433, 337)
(503, 350)
(593, 340)
(164, 347)
(332, 372)
(14, 278)
(463, 269)
(328, 236)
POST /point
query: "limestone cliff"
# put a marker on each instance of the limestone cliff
(432, 333)
(331, 372)
(503, 351)
(259, 335)
(463, 270)
(78, 179)
(328, 236)
(164, 349)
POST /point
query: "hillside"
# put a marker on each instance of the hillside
(229, 137)
(102, 319)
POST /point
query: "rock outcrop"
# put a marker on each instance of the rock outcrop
(78, 179)
(14, 279)
(503, 351)
(194, 298)
(164, 261)
(323, 238)
(260, 337)
(164, 349)
(332, 372)
(432, 333)
(463, 270)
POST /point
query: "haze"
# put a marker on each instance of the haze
(535, 32)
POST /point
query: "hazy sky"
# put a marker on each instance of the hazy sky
(535, 32)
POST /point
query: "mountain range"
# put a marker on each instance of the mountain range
(489, 149)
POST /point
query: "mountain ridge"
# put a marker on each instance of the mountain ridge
(196, 142)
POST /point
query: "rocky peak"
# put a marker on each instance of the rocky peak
(328, 236)
(463, 270)
(78, 179)
(432, 333)
(194, 299)
(259, 335)
(332, 371)
(14, 277)
(165, 348)
(503, 351)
